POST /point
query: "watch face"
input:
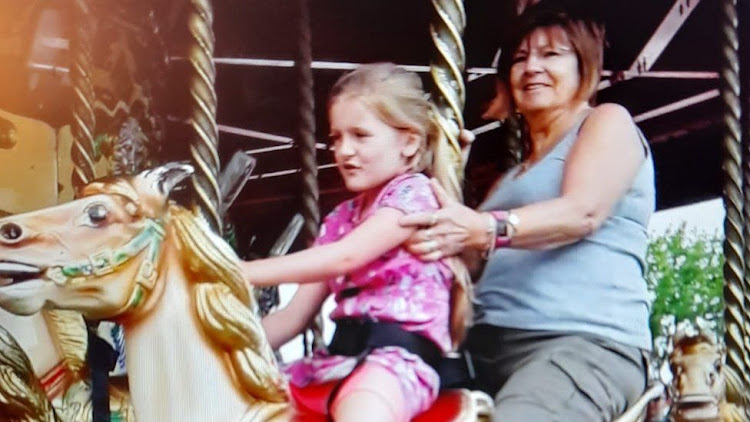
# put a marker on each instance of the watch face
(501, 229)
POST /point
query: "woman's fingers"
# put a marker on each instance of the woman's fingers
(419, 219)
(442, 196)
(466, 137)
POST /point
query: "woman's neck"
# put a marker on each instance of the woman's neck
(548, 126)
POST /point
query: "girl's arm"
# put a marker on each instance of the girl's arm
(599, 170)
(375, 236)
(282, 325)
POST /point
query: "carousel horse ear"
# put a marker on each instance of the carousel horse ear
(164, 178)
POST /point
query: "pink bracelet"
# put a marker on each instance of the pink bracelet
(501, 241)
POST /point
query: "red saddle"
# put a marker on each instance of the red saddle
(451, 405)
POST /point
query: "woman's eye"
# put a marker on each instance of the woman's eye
(361, 134)
(97, 214)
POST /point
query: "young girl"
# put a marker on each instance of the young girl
(383, 136)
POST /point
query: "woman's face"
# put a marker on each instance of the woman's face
(544, 74)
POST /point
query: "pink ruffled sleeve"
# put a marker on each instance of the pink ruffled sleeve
(410, 194)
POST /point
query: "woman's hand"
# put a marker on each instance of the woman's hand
(447, 231)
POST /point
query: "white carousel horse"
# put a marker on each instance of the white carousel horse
(196, 351)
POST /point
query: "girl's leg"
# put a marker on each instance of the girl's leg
(371, 393)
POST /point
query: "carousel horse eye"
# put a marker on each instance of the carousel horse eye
(10, 231)
(97, 213)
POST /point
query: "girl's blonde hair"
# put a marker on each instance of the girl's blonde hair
(398, 98)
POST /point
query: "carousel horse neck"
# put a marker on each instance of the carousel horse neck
(168, 353)
(173, 371)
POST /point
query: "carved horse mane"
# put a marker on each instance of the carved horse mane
(118, 252)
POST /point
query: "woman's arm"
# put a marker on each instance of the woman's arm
(282, 325)
(375, 236)
(600, 168)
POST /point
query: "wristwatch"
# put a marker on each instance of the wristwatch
(507, 223)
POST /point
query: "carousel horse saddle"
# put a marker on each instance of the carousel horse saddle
(457, 405)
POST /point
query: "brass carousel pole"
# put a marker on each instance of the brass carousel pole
(83, 149)
(734, 295)
(204, 143)
(449, 91)
(743, 72)
(306, 144)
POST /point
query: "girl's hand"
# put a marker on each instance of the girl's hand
(447, 231)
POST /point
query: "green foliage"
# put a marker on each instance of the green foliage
(684, 276)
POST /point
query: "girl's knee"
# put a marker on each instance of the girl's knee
(365, 406)
(372, 393)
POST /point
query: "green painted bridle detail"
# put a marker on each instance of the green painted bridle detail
(107, 261)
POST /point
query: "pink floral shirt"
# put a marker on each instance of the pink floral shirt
(397, 287)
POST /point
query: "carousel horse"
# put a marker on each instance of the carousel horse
(703, 387)
(195, 348)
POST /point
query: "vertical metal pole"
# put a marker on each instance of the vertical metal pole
(83, 150)
(743, 48)
(306, 126)
(205, 141)
(734, 296)
(306, 144)
(449, 95)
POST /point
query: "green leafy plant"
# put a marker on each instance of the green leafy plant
(684, 276)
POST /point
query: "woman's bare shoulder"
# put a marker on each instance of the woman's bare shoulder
(611, 112)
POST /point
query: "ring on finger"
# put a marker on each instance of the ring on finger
(428, 234)
(433, 219)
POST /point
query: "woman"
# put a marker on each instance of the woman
(561, 321)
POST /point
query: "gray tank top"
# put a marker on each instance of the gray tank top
(592, 286)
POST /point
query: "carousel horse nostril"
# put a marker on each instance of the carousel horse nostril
(11, 231)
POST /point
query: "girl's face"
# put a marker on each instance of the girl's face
(368, 151)
(544, 73)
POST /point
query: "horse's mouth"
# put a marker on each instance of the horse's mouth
(16, 272)
(698, 408)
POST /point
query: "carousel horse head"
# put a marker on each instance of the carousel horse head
(96, 255)
(702, 383)
(112, 253)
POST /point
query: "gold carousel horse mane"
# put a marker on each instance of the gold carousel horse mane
(222, 299)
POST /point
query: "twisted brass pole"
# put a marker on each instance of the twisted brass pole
(306, 144)
(204, 143)
(449, 92)
(743, 31)
(306, 126)
(734, 297)
(82, 153)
